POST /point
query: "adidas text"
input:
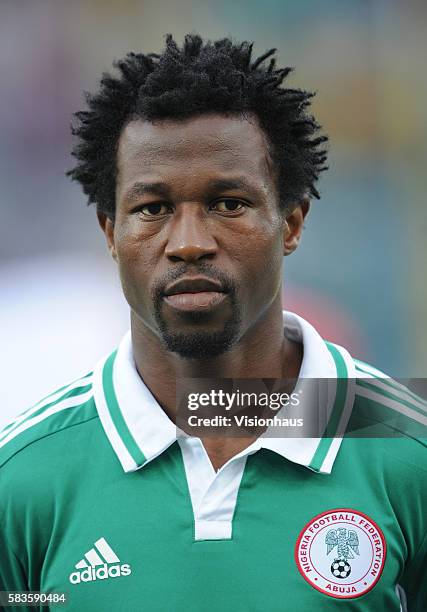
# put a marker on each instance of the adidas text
(100, 573)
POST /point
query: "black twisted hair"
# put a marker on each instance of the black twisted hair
(201, 77)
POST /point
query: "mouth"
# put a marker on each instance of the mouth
(195, 293)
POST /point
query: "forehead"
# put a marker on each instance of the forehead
(210, 144)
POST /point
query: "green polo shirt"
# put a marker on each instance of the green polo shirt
(101, 498)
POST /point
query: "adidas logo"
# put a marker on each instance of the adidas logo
(99, 563)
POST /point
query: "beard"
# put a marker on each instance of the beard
(200, 344)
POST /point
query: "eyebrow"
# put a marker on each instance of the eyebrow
(139, 189)
(228, 184)
(162, 189)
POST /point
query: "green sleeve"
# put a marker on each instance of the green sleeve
(12, 575)
(12, 571)
(414, 580)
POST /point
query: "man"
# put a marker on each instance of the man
(202, 167)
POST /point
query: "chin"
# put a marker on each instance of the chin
(199, 335)
(199, 345)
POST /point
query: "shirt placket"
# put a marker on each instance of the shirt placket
(213, 494)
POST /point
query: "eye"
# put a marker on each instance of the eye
(228, 205)
(156, 209)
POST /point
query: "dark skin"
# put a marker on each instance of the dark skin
(175, 214)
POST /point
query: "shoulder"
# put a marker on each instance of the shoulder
(389, 401)
(43, 457)
(391, 419)
(382, 409)
(60, 411)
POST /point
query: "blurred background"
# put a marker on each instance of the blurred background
(359, 275)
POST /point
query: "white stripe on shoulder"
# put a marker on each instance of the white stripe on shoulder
(390, 386)
(368, 370)
(390, 403)
(398, 392)
(52, 398)
(69, 402)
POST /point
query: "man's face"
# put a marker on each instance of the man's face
(197, 198)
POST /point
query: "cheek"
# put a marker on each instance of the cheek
(260, 258)
(134, 262)
(134, 251)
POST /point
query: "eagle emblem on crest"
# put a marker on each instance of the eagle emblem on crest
(347, 543)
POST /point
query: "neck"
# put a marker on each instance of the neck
(261, 352)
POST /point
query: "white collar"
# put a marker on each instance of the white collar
(139, 430)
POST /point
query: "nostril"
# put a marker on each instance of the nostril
(190, 253)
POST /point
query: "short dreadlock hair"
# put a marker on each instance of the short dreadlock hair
(199, 78)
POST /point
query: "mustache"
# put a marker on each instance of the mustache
(203, 268)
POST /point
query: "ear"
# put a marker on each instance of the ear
(107, 226)
(293, 226)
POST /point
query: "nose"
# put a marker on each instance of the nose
(189, 237)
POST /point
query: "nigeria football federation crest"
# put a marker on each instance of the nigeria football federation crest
(341, 553)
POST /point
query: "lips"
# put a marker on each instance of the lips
(194, 293)
(197, 284)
